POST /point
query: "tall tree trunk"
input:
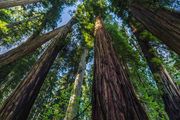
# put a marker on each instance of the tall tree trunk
(18, 105)
(12, 3)
(113, 95)
(169, 91)
(31, 44)
(72, 109)
(162, 23)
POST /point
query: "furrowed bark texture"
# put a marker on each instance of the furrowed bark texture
(18, 105)
(31, 45)
(162, 23)
(114, 97)
(72, 109)
(12, 3)
(169, 91)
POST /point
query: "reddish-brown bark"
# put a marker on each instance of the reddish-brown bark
(31, 45)
(167, 88)
(12, 3)
(114, 97)
(162, 23)
(18, 105)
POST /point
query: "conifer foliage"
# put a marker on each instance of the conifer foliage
(89, 60)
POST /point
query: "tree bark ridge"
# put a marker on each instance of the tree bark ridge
(169, 91)
(163, 24)
(31, 45)
(19, 103)
(12, 3)
(113, 95)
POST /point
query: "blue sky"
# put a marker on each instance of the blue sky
(66, 14)
(65, 17)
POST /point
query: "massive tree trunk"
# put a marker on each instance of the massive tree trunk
(72, 109)
(12, 3)
(113, 95)
(30, 45)
(169, 91)
(162, 23)
(18, 105)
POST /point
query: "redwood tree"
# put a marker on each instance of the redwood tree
(72, 109)
(114, 96)
(162, 23)
(18, 105)
(12, 3)
(166, 86)
(31, 45)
